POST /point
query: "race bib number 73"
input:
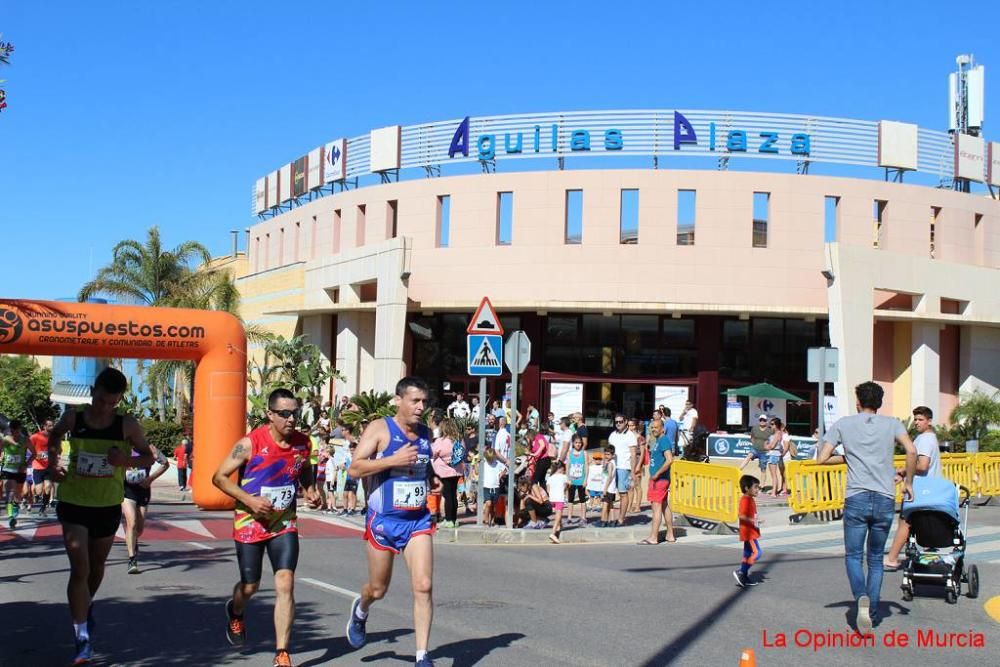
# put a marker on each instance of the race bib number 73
(281, 497)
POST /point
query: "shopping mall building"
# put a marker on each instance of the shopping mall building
(645, 254)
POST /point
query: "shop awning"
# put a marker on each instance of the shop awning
(763, 390)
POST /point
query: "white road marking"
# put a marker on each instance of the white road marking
(330, 587)
(190, 525)
(199, 545)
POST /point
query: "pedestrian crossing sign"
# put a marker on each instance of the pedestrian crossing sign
(485, 354)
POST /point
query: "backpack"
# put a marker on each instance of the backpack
(458, 453)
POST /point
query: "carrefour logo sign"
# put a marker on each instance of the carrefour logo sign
(539, 139)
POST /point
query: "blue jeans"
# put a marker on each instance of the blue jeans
(867, 518)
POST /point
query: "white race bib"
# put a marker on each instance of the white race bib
(575, 470)
(281, 497)
(90, 464)
(135, 475)
(409, 495)
(42, 455)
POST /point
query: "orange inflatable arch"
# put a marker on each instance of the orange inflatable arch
(215, 341)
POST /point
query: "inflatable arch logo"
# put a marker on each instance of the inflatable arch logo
(215, 341)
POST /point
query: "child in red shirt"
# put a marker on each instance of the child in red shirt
(749, 530)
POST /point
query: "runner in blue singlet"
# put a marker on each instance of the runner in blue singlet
(394, 455)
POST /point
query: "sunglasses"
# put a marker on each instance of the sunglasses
(619, 421)
(286, 414)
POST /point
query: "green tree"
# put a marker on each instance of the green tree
(977, 417)
(24, 390)
(292, 363)
(367, 407)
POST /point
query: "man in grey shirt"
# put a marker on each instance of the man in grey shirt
(870, 500)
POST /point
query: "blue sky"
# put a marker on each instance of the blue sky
(127, 114)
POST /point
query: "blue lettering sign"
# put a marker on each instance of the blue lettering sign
(512, 149)
(579, 140)
(770, 138)
(487, 147)
(683, 132)
(460, 142)
(613, 140)
(800, 144)
(736, 141)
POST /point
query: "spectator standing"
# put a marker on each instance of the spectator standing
(180, 460)
(564, 437)
(610, 488)
(641, 463)
(497, 411)
(459, 409)
(760, 436)
(671, 429)
(534, 417)
(475, 408)
(660, 459)
(689, 420)
(539, 454)
(556, 485)
(493, 465)
(625, 446)
(448, 459)
(595, 481)
(870, 497)
(581, 429)
(775, 450)
(577, 475)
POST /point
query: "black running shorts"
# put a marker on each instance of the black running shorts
(282, 551)
(99, 521)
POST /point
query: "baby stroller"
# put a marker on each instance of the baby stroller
(935, 550)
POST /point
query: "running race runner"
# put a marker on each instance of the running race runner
(138, 490)
(90, 492)
(40, 464)
(395, 453)
(273, 461)
(13, 466)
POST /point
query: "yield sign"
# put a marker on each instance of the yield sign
(485, 321)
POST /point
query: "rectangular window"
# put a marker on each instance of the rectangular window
(878, 221)
(687, 203)
(256, 254)
(443, 221)
(315, 231)
(298, 238)
(281, 246)
(574, 217)
(831, 218)
(336, 231)
(761, 214)
(505, 218)
(935, 212)
(628, 217)
(359, 236)
(391, 217)
(267, 251)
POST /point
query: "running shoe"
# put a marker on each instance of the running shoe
(282, 659)
(236, 631)
(84, 652)
(12, 524)
(425, 662)
(553, 538)
(357, 635)
(133, 566)
(864, 619)
(751, 581)
(741, 580)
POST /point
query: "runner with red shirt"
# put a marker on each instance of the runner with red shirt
(272, 461)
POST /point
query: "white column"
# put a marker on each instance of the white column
(348, 353)
(849, 298)
(925, 365)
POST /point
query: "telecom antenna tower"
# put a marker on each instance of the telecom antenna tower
(965, 102)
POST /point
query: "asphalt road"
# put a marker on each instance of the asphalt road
(580, 604)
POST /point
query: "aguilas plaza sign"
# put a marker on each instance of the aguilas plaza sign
(537, 139)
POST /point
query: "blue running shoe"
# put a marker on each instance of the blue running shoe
(84, 652)
(425, 662)
(356, 633)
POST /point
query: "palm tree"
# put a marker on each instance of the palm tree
(147, 273)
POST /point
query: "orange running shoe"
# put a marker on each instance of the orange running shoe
(282, 659)
(236, 630)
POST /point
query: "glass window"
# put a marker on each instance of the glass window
(574, 216)
(831, 218)
(443, 221)
(761, 214)
(597, 329)
(391, 213)
(359, 232)
(628, 218)
(505, 218)
(562, 330)
(879, 207)
(678, 333)
(686, 209)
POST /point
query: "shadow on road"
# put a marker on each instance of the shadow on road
(463, 652)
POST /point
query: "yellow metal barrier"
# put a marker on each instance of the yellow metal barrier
(815, 488)
(705, 491)
(988, 471)
(959, 468)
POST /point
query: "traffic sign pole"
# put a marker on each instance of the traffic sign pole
(482, 449)
(513, 450)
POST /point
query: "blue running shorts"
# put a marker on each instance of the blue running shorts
(392, 533)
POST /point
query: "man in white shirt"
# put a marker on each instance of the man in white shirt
(475, 408)
(928, 463)
(502, 442)
(459, 408)
(564, 436)
(689, 419)
(626, 448)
